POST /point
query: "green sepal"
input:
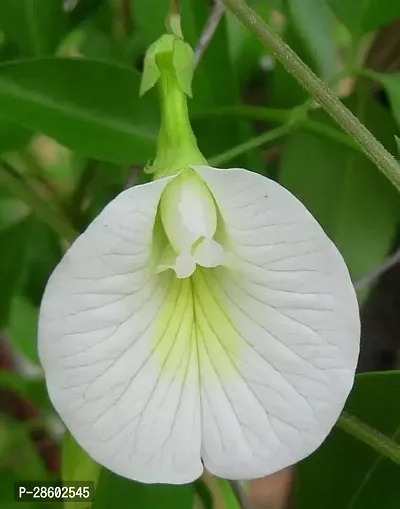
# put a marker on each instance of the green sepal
(182, 62)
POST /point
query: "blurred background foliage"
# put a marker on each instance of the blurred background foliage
(74, 133)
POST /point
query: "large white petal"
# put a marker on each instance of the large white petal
(278, 337)
(115, 344)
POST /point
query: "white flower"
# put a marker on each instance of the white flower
(201, 319)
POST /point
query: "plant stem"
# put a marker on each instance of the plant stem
(370, 436)
(252, 143)
(304, 75)
(280, 116)
(15, 183)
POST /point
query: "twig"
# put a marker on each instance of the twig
(209, 30)
(372, 276)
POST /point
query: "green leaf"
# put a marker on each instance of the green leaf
(345, 473)
(244, 49)
(313, 21)
(116, 491)
(12, 136)
(23, 327)
(36, 26)
(91, 107)
(98, 45)
(285, 91)
(305, 38)
(363, 16)
(12, 256)
(355, 204)
(391, 82)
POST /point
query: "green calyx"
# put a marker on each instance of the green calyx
(168, 66)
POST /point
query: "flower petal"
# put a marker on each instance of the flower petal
(114, 341)
(286, 346)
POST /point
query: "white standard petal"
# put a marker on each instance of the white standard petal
(116, 344)
(277, 336)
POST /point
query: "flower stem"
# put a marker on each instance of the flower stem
(370, 436)
(304, 75)
(15, 183)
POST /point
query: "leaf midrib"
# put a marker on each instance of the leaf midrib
(9, 90)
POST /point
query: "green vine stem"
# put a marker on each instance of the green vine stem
(370, 436)
(251, 144)
(280, 116)
(323, 95)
